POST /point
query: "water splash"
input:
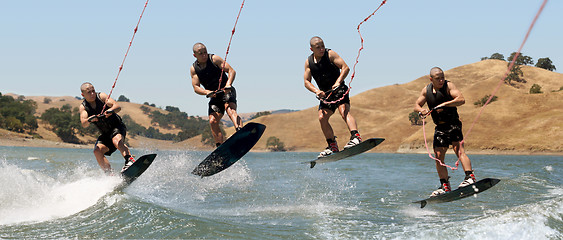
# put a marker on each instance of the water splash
(31, 196)
(169, 182)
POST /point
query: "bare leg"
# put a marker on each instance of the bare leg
(324, 116)
(99, 151)
(344, 110)
(214, 119)
(118, 142)
(463, 158)
(441, 154)
(231, 109)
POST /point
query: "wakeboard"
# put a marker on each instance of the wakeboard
(355, 150)
(231, 150)
(138, 167)
(461, 192)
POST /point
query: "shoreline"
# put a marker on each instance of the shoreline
(42, 143)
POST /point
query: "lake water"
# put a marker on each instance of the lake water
(62, 193)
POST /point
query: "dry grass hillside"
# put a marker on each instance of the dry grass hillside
(516, 122)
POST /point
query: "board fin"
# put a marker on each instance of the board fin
(422, 203)
(313, 163)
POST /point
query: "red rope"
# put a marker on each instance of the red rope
(507, 70)
(357, 57)
(126, 53)
(229, 45)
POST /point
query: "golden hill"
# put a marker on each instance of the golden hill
(516, 122)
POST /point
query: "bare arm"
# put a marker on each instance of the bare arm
(83, 116)
(111, 105)
(308, 84)
(456, 94)
(339, 62)
(196, 84)
(420, 101)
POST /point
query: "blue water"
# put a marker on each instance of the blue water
(62, 193)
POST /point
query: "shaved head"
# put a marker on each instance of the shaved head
(85, 86)
(315, 40)
(435, 70)
(198, 46)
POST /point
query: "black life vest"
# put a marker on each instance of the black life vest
(209, 76)
(105, 125)
(324, 71)
(449, 114)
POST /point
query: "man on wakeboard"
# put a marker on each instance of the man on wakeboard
(108, 122)
(329, 71)
(443, 97)
(211, 71)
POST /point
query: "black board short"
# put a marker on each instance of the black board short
(445, 134)
(105, 138)
(217, 104)
(336, 94)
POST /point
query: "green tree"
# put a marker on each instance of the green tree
(63, 123)
(135, 129)
(13, 124)
(122, 98)
(18, 116)
(521, 60)
(497, 56)
(145, 109)
(515, 75)
(189, 126)
(275, 144)
(484, 100)
(535, 89)
(546, 63)
(494, 56)
(415, 118)
(172, 109)
(160, 118)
